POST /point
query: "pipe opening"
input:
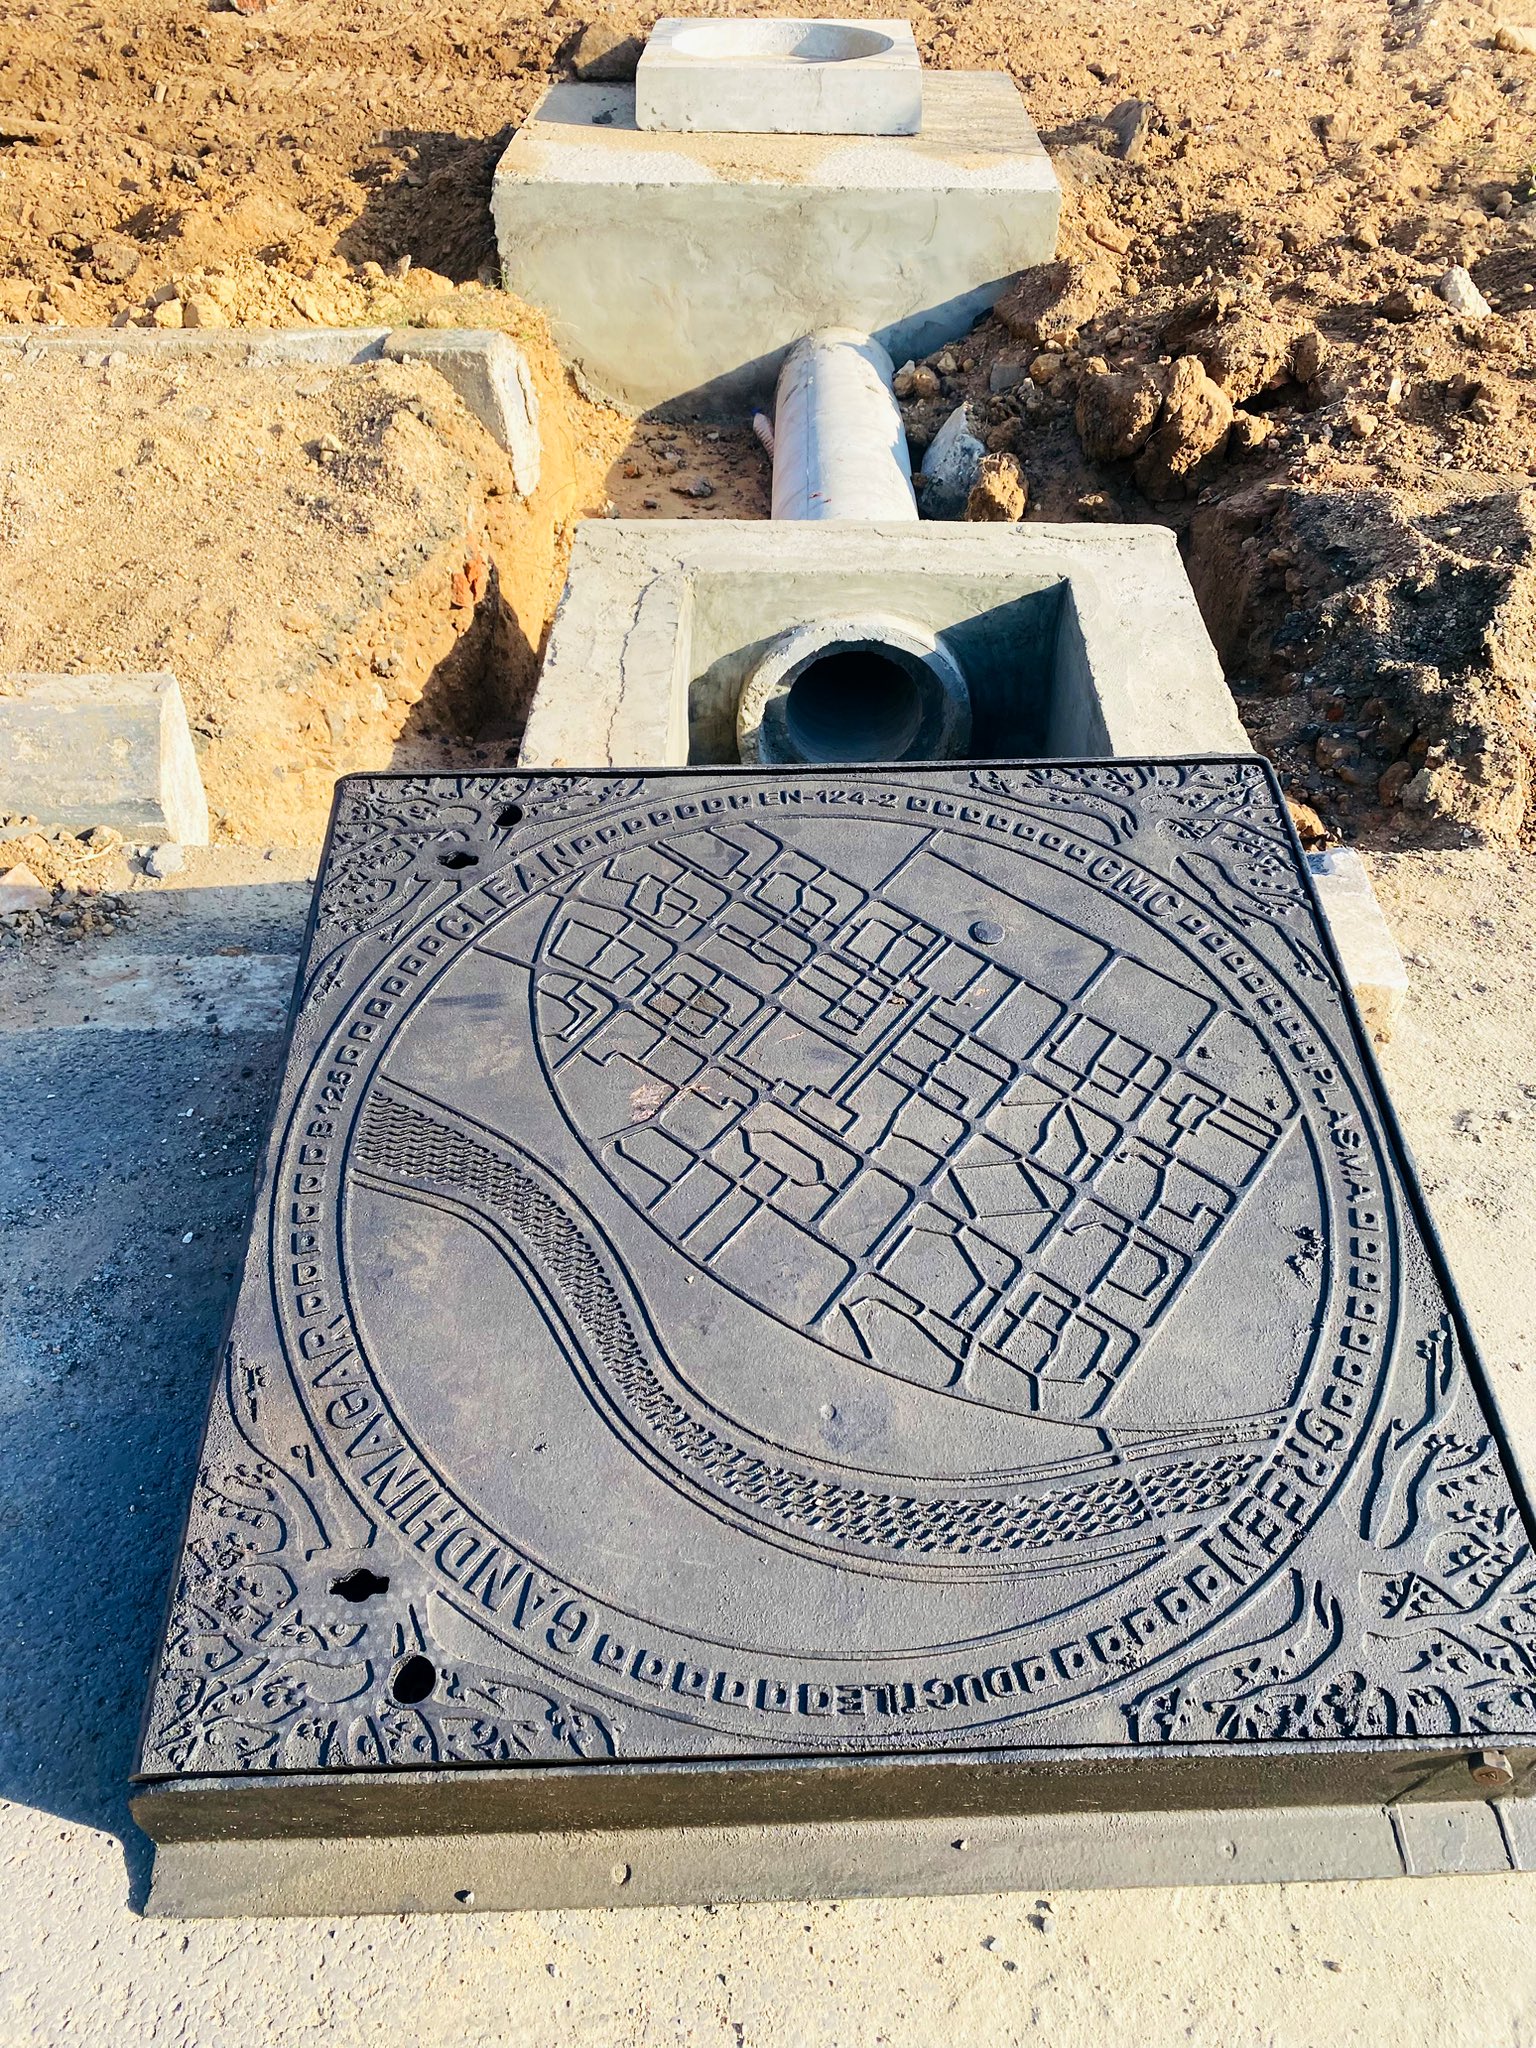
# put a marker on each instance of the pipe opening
(872, 687)
(853, 705)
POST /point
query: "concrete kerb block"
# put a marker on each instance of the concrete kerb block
(491, 375)
(79, 750)
(1370, 954)
(486, 369)
(680, 267)
(256, 349)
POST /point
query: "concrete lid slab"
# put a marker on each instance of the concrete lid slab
(780, 75)
(976, 135)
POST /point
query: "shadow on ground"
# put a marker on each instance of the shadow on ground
(125, 1174)
(429, 199)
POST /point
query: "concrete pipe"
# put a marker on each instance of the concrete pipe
(839, 446)
(867, 688)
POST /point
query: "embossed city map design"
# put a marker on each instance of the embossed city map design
(871, 1261)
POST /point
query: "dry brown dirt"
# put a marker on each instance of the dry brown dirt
(1271, 194)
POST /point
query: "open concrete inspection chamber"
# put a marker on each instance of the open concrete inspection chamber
(1073, 640)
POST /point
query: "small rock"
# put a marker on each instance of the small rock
(699, 487)
(1046, 368)
(1129, 124)
(1250, 430)
(1244, 356)
(1000, 492)
(1310, 829)
(1462, 295)
(1389, 790)
(925, 381)
(1408, 302)
(1051, 302)
(1360, 424)
(1309, 352)
(1196, 417)
(607, 51)
(1332, 749)
(167, 314)
(1109, 236)
(901, 383)
(1007, 373)
(1117, 411)
(161, 861)
(951, 467)
(114, 259)
(1366, 235)
(945, 364)
(21, 890)
(202, 311)
(1514, 37)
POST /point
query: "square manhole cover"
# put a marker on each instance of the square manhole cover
(854, 1266)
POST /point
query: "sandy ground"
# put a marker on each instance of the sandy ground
(120, 1214)
(1263, 201)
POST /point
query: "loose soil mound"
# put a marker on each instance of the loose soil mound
(1263, 205)
(332, 562)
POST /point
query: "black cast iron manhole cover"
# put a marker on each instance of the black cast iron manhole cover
(754, 1266)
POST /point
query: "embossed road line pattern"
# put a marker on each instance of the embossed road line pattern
(161, 992)
(108, 1320)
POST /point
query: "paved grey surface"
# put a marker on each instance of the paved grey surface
(103, 1375)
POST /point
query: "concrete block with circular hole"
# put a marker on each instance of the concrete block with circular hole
(1071, 641)
(780, 77)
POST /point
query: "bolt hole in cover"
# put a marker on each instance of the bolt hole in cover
(853, 690)
(414, 1678)
(361, 1584)
(458, 861)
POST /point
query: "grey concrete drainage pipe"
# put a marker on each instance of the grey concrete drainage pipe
(839, 446)
(865, 688)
